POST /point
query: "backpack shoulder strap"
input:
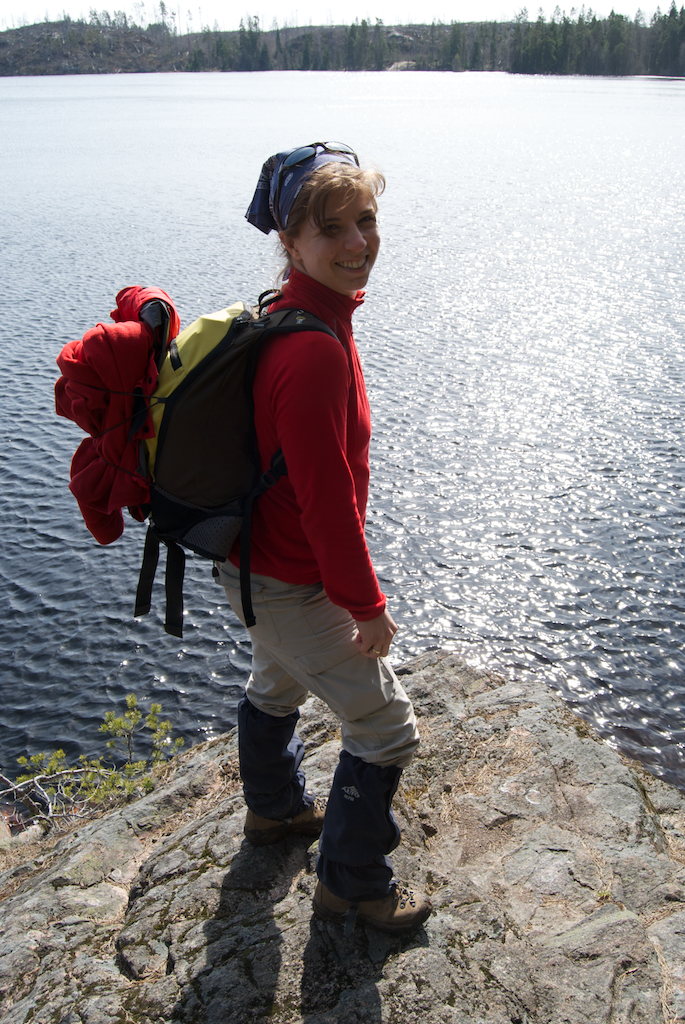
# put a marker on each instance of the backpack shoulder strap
(286, 321)
(289, 321)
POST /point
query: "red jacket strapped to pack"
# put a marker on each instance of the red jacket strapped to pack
(101, 374)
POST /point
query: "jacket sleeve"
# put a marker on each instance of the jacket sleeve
(309, 396)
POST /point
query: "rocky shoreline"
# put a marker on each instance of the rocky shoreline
(556, 869)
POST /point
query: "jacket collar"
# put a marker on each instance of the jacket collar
(328, 305)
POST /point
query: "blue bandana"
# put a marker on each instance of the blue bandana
(261, 211)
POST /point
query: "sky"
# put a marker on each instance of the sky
(227, 14)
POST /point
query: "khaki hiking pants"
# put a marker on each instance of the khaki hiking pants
(302, 643)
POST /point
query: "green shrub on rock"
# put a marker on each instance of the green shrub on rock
(58, 794)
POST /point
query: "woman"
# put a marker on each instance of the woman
(322, 625)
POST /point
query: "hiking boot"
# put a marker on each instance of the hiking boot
(262, 831)
(400, 911)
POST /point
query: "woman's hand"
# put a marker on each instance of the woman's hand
(375, 636)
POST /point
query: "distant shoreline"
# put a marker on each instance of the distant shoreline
(615, 46)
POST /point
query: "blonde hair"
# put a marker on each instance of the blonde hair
(338, 181)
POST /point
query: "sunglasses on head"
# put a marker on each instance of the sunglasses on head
(304, 153)
(307, 152)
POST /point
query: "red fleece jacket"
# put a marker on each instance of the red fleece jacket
(310, 400)
(100, 372)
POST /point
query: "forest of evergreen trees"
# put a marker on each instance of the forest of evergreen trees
(590, 46)
(574, 44)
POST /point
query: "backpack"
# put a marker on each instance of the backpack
(203, 463)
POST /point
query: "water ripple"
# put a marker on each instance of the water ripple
(523, 349)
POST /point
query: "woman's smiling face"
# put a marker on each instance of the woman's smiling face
(342, 252)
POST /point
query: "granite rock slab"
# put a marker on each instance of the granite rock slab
(555, 866)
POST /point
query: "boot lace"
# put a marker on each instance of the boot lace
(404, 896)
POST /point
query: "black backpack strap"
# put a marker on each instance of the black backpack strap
(173, 582)
(148, 569)
(283, 320)
(292, 320)
(267, 480)
(156, 315)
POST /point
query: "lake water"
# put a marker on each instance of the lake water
(524, 347)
